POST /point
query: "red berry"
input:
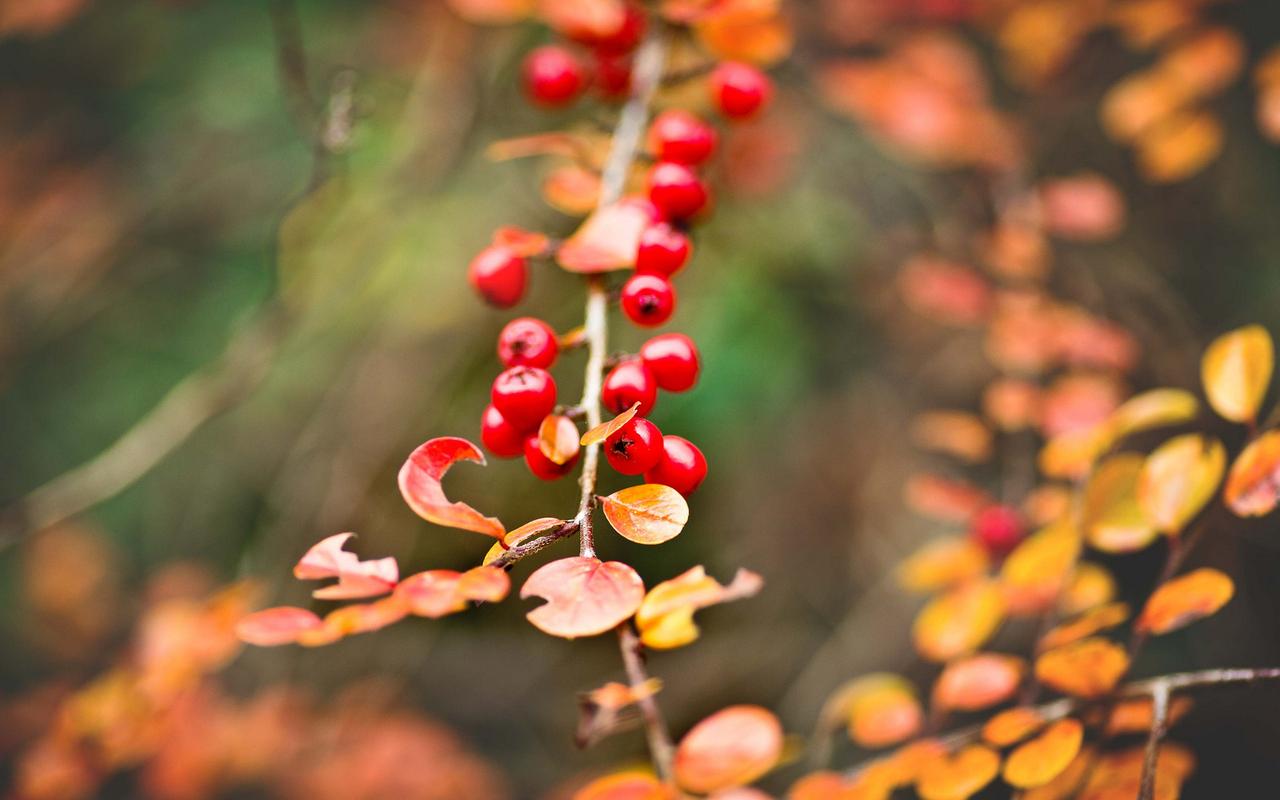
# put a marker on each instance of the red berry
(541, 466)
(998, 528)
(613, 75)
(627, 36)
(683, 467)
(739, 90)
(663, 250)
(527, 342)
(499, 275)
(673, 359)
(676, 135)
(500, 437)
(524, 395)
(553, 76)
(629, 383)
(648, 300)
(635, 447)
(676, 190)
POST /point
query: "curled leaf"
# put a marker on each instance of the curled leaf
(1253, 485)
(960, 776)
(585, 596)
(1178, 478)
(558, 439)
(276, 626)
(606, 429)
(420, 486)
(1236, 370)
(958, 622)
(732, 747)
(665, 618)
(1088, 668)
(1045, 757)
(1185, 599)
(879, 709)
(439, 592)
(978, 682)
(356, 578)
(647, 514)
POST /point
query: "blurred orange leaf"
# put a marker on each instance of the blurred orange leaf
(1072, 455)
(956, 433)
(732, 747)
(1137, 714)
(960, 776)
(978, 682)
(572, 189)
(276, 626)
(1089, 586)
(1178, 478)
(944, 499)
(1012, 725)
(583, 19)
(1083, 207)
(1155, 408)
(420, 486)
(1045, 757)
(520, 242)
(355, 618)
(958, 622)
(1185, 599)
(665, 618)
(356, 578)
(744, 30)
(558, 438)
(1087, 668)
(629, 785)
(951, 293)
(438, 592)
(1253, 485)
(1034, 574)
(879, 709)
(1236, 371)
(646, 514)
(607, 240)
(1096, 619)
(585, 596)
(942, 563)
(1068, 782)
(1117, 776)
(606, 429)
(492, 12)
(1114, 522)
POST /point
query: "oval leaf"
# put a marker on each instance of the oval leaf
(1113, 520)
(1236, 370)
(943, 563)
(1253, 486)
(647, 514)
(960, 776)
(732, 747)
(607, 240)
(958, 622)
(1012, 725)
(1156, 408)
(1088, 668)
(1045, 757)
(1178, 478)
(439, 592)
(1186, 599)
(585, 596)
(978, 682)
(420, 486)
(558, 439)
(276, 626)
(879, 709)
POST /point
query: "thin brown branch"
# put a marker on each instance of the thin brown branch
(655, 727)
(1159, 726)
(518, 552)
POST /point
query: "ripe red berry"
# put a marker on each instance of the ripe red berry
(527, 342)
(627, 36)
(613, 75)
(499, 275)
(541, 466)
(663, 250)
(500, 437)
(676, 135)
(648, 300)
(739, 90)
(553, 76)
(673, 359)
(635, 447)
(629, 383)
(676, 190)
(524, 395)
(683, 467)
(998, 528)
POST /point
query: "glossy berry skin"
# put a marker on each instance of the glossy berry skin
(635, 447)
(625, 39)
(543, 467)
(499, 276)
(683, 467)
(629, 383)
(553, 76)
(998, 528)
(500, 437)
(524, 395)
(676, 135)
(673, 360)
(664, 250)
(528, 342)
(648, 300)
(739, 90)
(677, 190)
(612, 75)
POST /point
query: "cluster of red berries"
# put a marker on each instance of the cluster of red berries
(556, 76)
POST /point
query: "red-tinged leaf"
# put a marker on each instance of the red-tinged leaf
(356, 579)
(732, 747)
(606, 429)
(585, 596)
(647, 514)
(517, 535)
(420, 486)
(325, 559)
(978, 682)
(521, 242)
(583, 19)
(945, 499)
(1186, 599)
(558, 439)
(879, 709)
(1253, 485)
(607, 240)
(275, 626)
(630, 785)
(356, 618)
(440, 592)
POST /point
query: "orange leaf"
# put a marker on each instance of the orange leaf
(615, 696)
(1236, 371)
(1113, 520)
(355, 618)
(420, 486)
(520, 242)
(607, 240)
(1253, 486)
(955, 433)
(558, 439)
(1087, 624)
(665, 618)
(517, 535)
(356, 578)
(630, 785)
(732, 747)
(1068, 782)
(1186, 599)
(583, 19)
(1117, 776)
(585, 596)
(945, 499)
(647, 514)
(879, 709)
(943, 563)
(439, 592)
(1136, 715)
(1045, 757)
(1012, 725)
(606, 429)
(958, 622)
(756, 38)
(978, 682)
(960, 776)
(276, 626)
(1178, 478)
(1034, 574)
(1088, 668)
(572, 189)
(1090, 585)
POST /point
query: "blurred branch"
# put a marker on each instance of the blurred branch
(1159, 725)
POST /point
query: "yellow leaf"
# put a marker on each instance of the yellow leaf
(1186, 599)
(1113, 520)
(1236, 370)
(1045, 757)
(1178, 478)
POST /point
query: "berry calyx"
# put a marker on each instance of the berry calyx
(683, 467)
(629, 383)
(676, 190)
(739, 90)
(664, 249)
(499, 276)
(527, 342)
(673, 360)
(553, 76)
(998, 528)
(679, 136)
(648, 300)
(542, 467)
(524, 395)
(500, 437)
(635, 447)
